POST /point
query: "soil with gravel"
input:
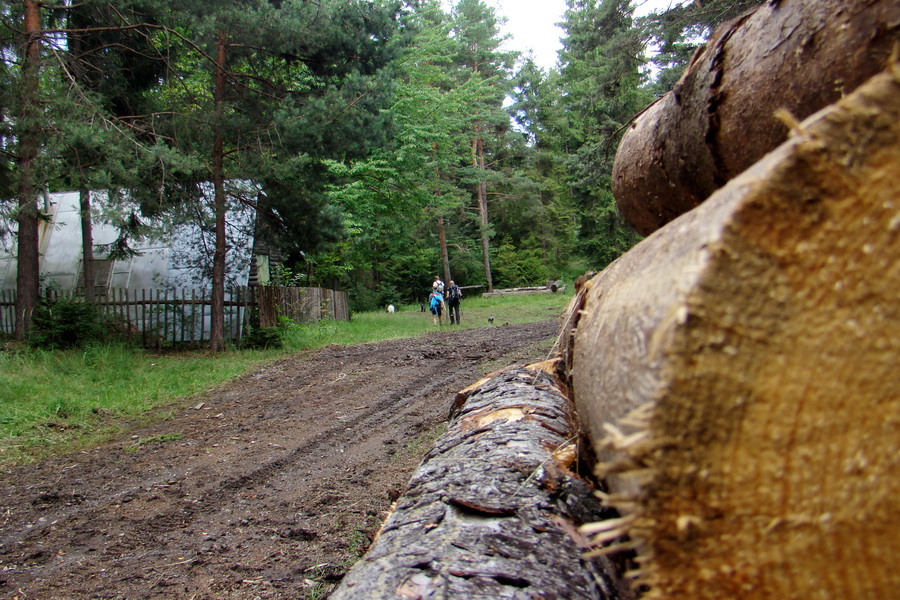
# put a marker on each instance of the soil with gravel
(268, 487)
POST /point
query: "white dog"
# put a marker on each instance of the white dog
(391, 309)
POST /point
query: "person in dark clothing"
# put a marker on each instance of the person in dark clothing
(454, 296)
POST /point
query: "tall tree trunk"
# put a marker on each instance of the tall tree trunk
(217, 324)
(77, 49)
(442, 232)
(478, 163)
(28, 264)
(87, 243)
(445, 255)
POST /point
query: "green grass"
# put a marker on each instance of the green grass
(52, 400)
(65, 400)
(409, 321)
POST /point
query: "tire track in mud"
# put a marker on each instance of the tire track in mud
(278, 472)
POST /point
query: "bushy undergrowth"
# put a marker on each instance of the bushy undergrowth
(264, 338)
(518, 268)
(62, 323)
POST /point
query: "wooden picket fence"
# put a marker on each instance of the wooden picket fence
(300, 304)
(172, 317)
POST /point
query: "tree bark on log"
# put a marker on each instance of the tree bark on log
(738, 373)
(493, 510)
(797, 55)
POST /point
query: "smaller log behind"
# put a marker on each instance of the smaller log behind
(798, 55)
(492, 511)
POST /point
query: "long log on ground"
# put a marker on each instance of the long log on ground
(797, 55)
(493, 510)
(542, 289)
(738, 373)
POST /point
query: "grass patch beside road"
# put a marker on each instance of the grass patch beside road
(65, 400)
(49, 400)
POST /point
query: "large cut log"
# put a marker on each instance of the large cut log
(738, 374)
(798, 55)
(493, 510)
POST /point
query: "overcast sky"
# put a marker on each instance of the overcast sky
(532, 24)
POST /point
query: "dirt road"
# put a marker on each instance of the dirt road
(265, 488)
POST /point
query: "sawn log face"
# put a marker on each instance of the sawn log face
(737, 372)
(492, 510)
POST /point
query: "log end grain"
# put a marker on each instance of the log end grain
(738, 373)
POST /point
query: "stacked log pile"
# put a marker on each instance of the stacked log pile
(738, 372)
(735, 373)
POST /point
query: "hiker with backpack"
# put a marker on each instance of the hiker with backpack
(454, 295)
(436, 304)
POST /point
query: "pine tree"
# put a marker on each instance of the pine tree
(602, 82)
(277, 87)
(27, 132)
(678, 31)
(109, 66)
(424, 173)
(57, 111)
(535, 208)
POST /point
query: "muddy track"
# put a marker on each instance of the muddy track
(266, 488)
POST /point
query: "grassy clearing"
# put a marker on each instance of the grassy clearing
(64, 400)
(409, 321)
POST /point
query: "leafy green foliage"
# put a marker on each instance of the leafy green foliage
(602, 85)
(677, 32)
(518, 268)
(423, 175)
(263, 338)
(363, 127)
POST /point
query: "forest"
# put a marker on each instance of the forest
(377, 142)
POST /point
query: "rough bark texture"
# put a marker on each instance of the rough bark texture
(492, 510)
(737, 371)
(798, 55)
(27, 238)
(87, 243)
(217, 310)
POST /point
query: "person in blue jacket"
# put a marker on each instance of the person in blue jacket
(436, 304)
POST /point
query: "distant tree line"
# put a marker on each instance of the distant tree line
(384, 141)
